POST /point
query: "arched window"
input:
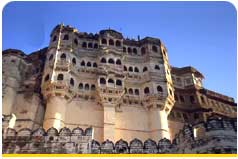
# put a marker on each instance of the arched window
(103, 60)
(66, 37)
(137, 92)
(111, 42)
(93, 87)
(130, 69)
(72, 81)
(104, 41)
(74, 61)
(63, 56)
(130, 91)
(159, 89)
(75, 41)
(157, 67)
(51, 57)
(118, 43)
(47, 77)
(134, 50)
(89, 64)
(80, 86)
(164, 53)
(111, 81)
(118, 62)
(154, 48)
(143, 51)
(136, 69)
(124, 49)
(60, 77)
(145, 69)
(90, 45)
(147, 90)
(86, 87)
(129, 50)
(95, 64)
(111, 61)
(125, 69)
(54, 38)
(119, 83)
(102, 81)
(82, 63)
(84, 45)
(95, 46)
(181, 98)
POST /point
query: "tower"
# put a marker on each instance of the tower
(57, 82)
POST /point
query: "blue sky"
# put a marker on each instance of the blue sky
(200, 34)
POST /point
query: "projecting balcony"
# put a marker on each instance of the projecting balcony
(118, 69)
(62, 65)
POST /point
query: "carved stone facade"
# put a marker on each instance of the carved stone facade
(123, 89)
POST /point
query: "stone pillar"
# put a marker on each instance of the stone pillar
(55, 113)
(109, 122)
(159, 124)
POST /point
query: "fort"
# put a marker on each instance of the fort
(123, 92)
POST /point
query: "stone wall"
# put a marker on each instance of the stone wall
(214, 136)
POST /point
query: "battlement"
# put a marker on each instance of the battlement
(214, 136)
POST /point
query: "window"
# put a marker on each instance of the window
(145, 69)
(202, 99)
(60, 77)
(54, 38)
(89, 64)
(181, 98)
(86, 86)
(95, 64)
(134, 50)
(63, 56)
(82, 63)
(176, 97)
(51, 57)
(154, 48)
(66, 37)
(104, 41)
(111, 81)
(84, 45)
(129, 50)
(47, 77)
(146, 90)
(72, 81)
(159, 89)
(118, 62)
(80, 86)
(95, 46)
(93, 87)
(102, 81)
(111, 42)
(75, 41)
(119, 83)
(192, 100)
(136, 69)
(90, 45)
(157, 67)
(196, 116)
(130, 91)
(125, 69)
(74, 61)
(137, 92)
(124, 49)
(103, 60)
(130, 69)
(111, 61)
(143, 51)
(185, 117)
(118, 43)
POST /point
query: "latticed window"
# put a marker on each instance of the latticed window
(111, 42)
(154, 48)
(118, 43)
(147, 90)
(102, 81)
(66, 37)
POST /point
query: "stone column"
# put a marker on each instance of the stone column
(159, 124)
(55, 113)
(109, 122)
